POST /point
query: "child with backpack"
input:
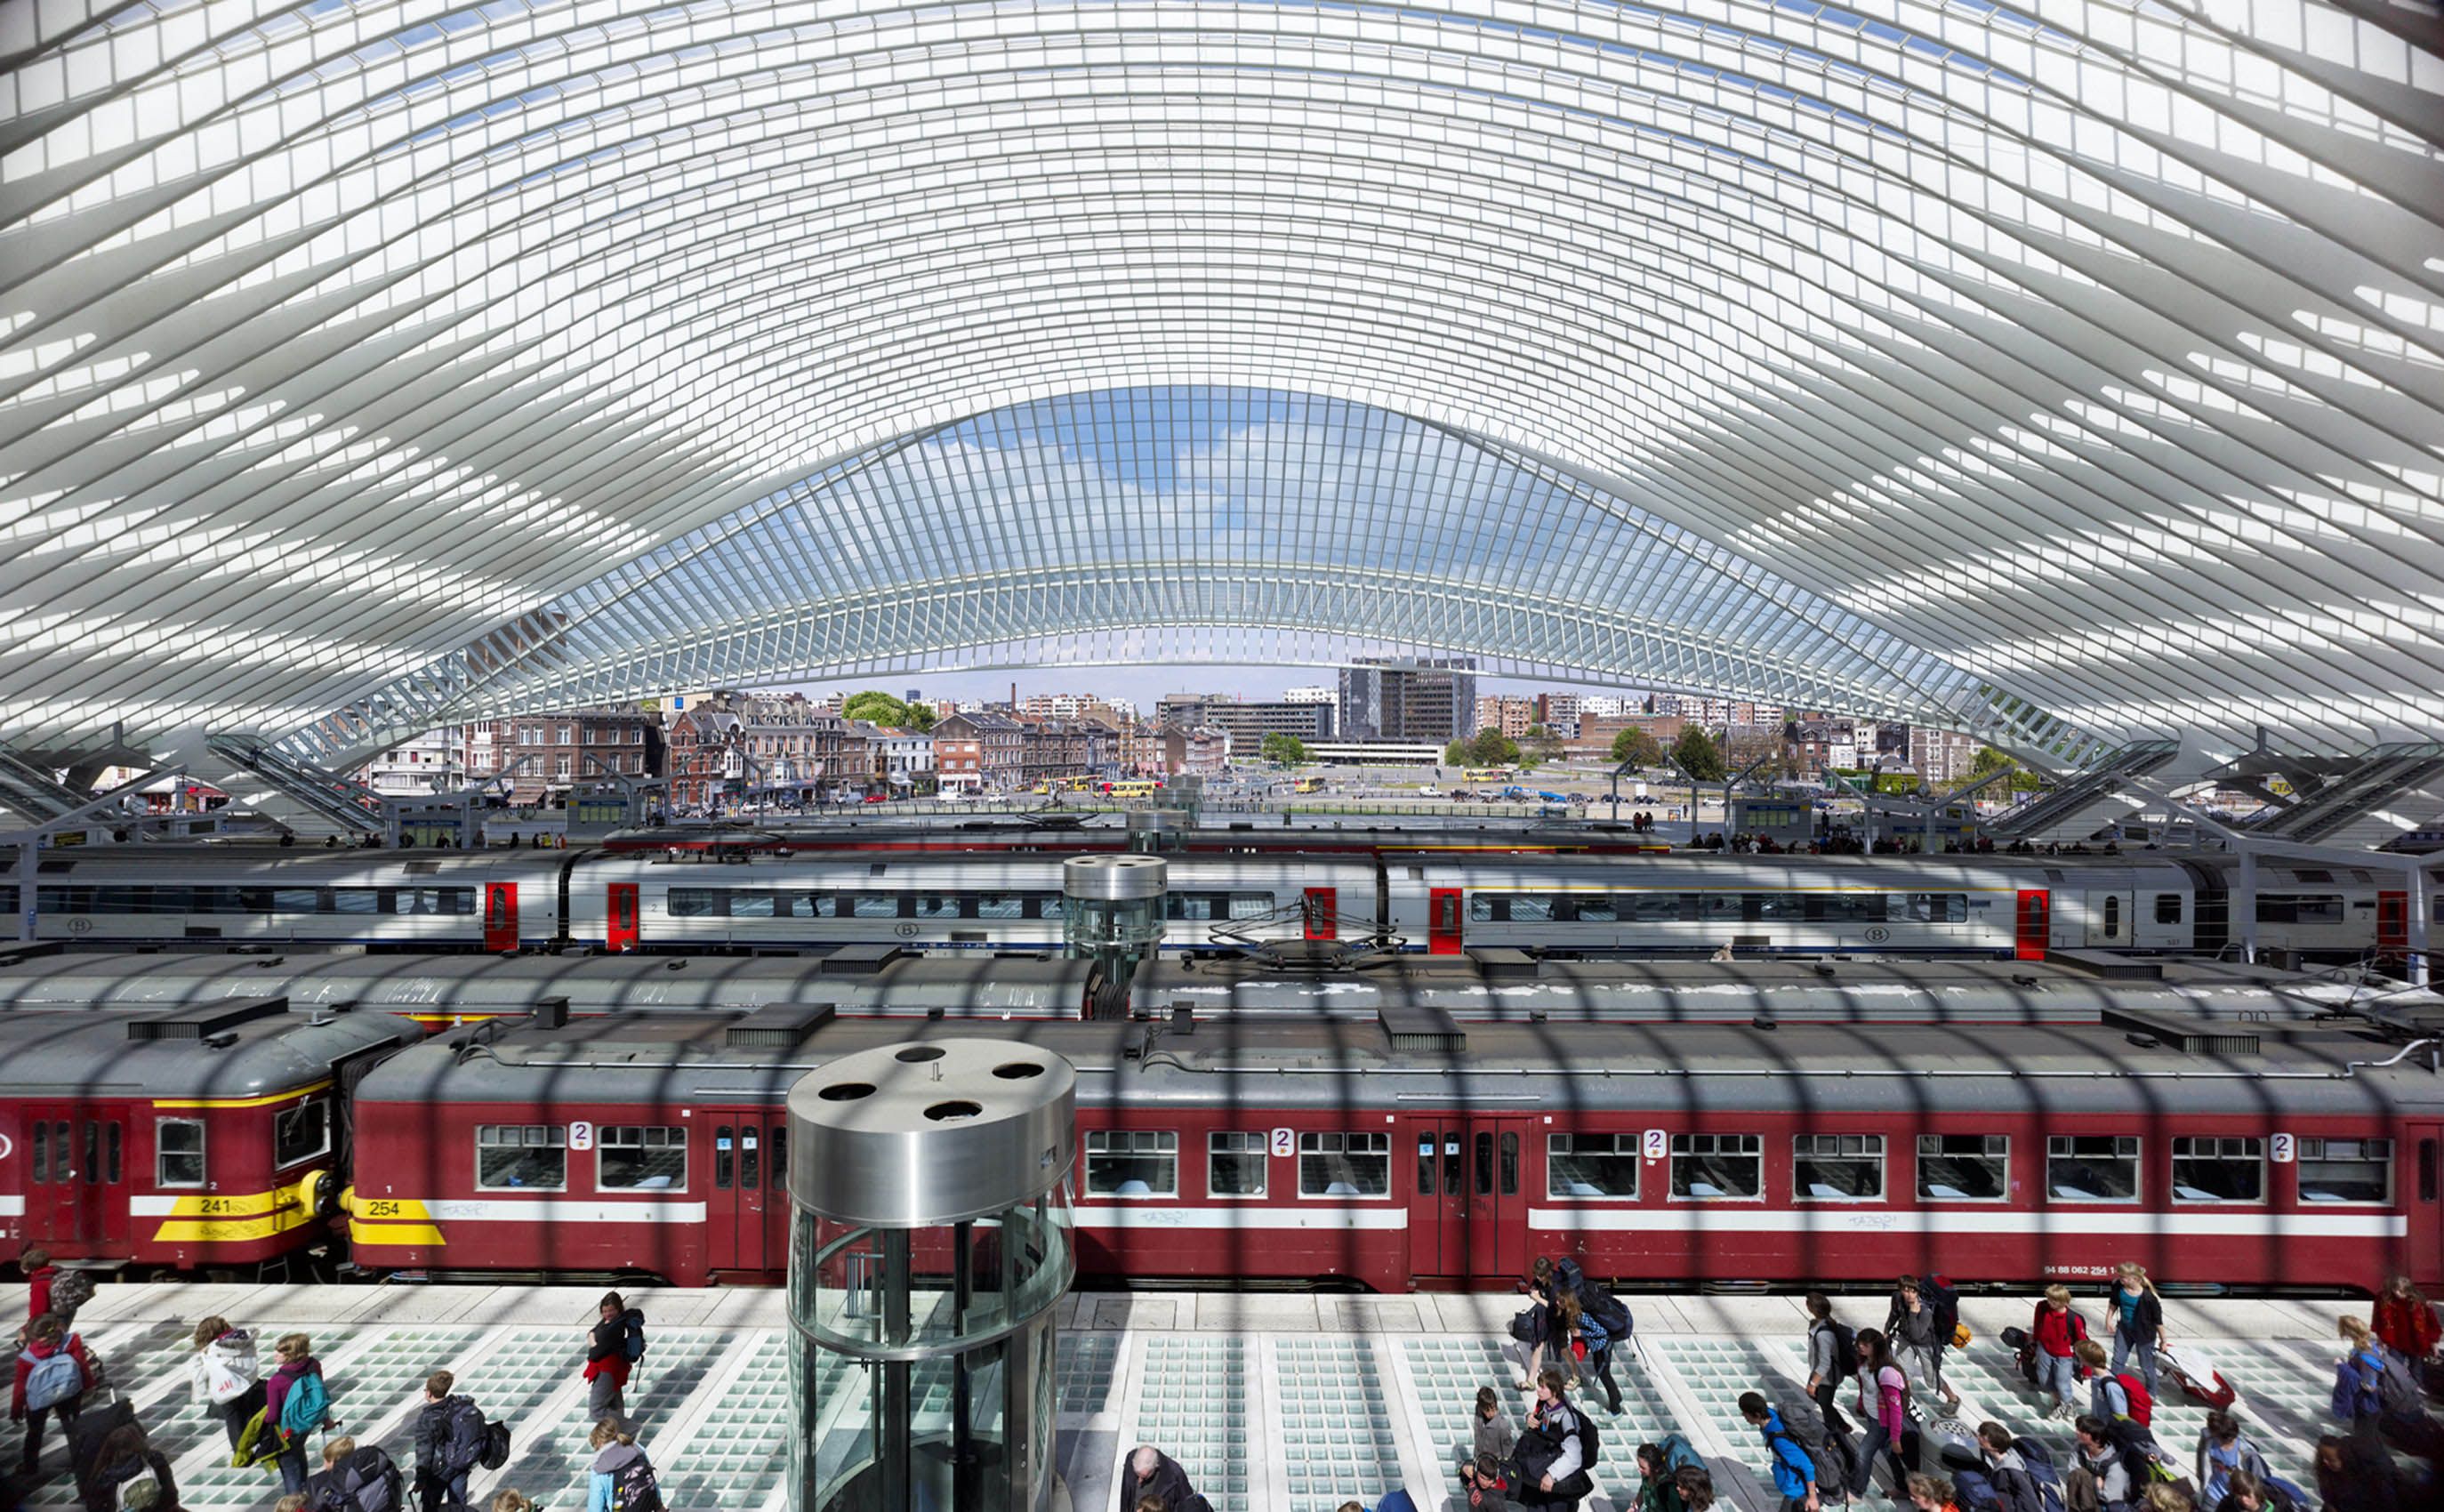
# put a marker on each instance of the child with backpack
(1920, 1333)
(2114, 1395)
(1831, 1348)
(2053, 1335)
(1603, 1327)
(1794, 1465)
(53, 1373)
(2359, 1380)
(126, 1473)
(2138, 1320)
(356, 1479)
(613, 1347)
(294, 1404)
(451, 1438)
(623, 1478)
(226, 1376)
(1557, 1451)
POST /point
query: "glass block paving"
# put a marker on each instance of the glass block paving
(1286, 1420)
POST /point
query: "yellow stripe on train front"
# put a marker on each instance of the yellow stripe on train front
(389, 1221)
(196, 1218)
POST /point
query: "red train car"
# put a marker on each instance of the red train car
(1418, 1153)
(202, 1139)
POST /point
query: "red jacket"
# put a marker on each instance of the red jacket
(42, 1351)
(2054, 1330)
(606, 1353)
(2406, 1327)
(38, 1290)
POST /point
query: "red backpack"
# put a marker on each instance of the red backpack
(2142, 1407)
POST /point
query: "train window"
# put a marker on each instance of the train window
(1719, 908)
(296, 900)
(1938, 908)
(755, 904)
(1851, 908)
(2208, 1169)
(2092, 1168)
(92, 1152)
(63, 1154)
(749, 1146)
(1485, 1164)
(628, 1157)
(725, 1157)
(1717, 1167)
(1480, 907)
(41, 1154)
(1252, 905)
(2300, 908)
(301, 1133)
(938, 905)
(1235, 1165)
(1531, 908)
(525, 1157)
(1654, 908)
(1426, 1163)
(177, 1153)
(874, 905)
(1344, 1165)
(776, 1170)
(1964, 1168)
(110, 1152)
(2346, 1171)
(1591, 1166)
(2112, 914)
(1509, 1165)
(2168, 908)
(1777, 907)
(356, 900)
(697, 903)
(1596, 911)
(1132, 1163)
(1837, 1167)
(1001, 905)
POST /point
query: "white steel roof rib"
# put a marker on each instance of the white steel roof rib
(2059, 376)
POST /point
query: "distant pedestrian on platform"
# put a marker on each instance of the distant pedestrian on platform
(2054, 1334)
(621, 1479)
(356, 1479)
(1831, 1348)
(613, 1347)
(225, 1375)
(1491, 1428)
(1883, 1391)
(1919, 1338)
(1794, 1468)
(1553, 1468)
(53, 1373)
(294, 1404)
(448, 1439)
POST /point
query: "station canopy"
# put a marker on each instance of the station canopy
(2058, 375)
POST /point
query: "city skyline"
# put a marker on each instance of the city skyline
(1144, 686)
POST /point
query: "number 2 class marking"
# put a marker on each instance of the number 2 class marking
(1284, 1141)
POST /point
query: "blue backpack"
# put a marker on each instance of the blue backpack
(1679, 1454)
(2043, 1473)
(303, 1409)
(51, 1379)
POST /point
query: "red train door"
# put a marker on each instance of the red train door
(1438, 1209)
(2035, 923)
(1322, 914)
(620, 914)
(748, 1227)
(2393, 924)
(2422, 1182)
(1443, 921)
(1497, 1199)
(500, 915)
(75, 1164)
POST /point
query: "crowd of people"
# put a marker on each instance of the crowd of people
(1887, 1423)
(272, 1417)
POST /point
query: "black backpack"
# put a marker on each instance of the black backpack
(1945, 1299)
(1846, 1348)
(1610, 1313)
(633, 1488)
(496, 1450)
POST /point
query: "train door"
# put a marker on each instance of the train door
(2035, 923)
(1322, 914)
(1497, 1212)
(2393, 925)
(1443, 921)
(1468, 1219)
(750, 1228)
(500, 916)
(2111, 918)
(619, 918)
(75, 1165)
(1438, 1210)
(2421, 1175)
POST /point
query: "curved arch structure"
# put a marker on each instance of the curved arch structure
(2093, 358)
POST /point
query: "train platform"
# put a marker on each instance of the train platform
(1273, 1402)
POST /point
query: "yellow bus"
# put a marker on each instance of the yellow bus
(1308, 785)
(1133, 789)
(1485, 774)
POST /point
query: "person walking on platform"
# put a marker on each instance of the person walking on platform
(225, 1375)
(2137, 1320)
(1919, 1338)
(53, 1373)
(1832, 1349)
(1884, 1395)
(1553, 1453)
(448, 1439)
(1152, 1473)
(1794, 1469)
(2405, 1321)
(2016, 1489)
(612, 1350)
(356, 1479)
(621, 1479)
(1491, 1430)
(2054, 1333)
(299, 1375)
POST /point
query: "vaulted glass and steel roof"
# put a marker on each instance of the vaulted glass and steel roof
(2060, 375)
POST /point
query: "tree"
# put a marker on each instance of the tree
(1489, 747)
(1456, 754)
(1742, 752)
(1543, 744)
(1637, 747)
(1698, 756)
(1988, 762)
(1287, 750)
(920, 718)
(874, 705)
